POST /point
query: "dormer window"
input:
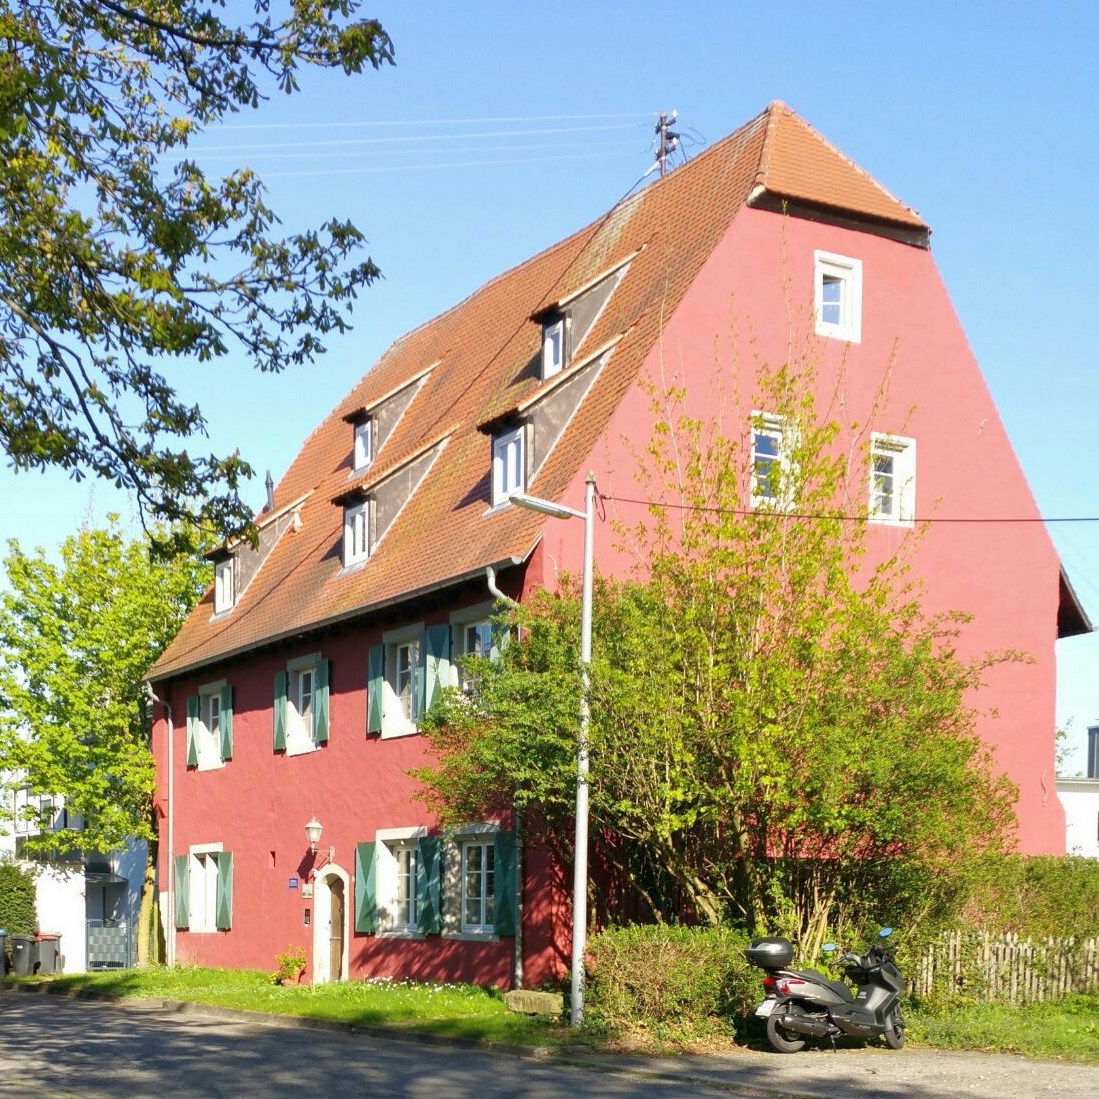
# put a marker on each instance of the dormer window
(363, 452)
(508, 465)
(225, 591)
(553, 347)
(356, 533)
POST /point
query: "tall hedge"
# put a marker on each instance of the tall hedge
(669, 981)
(1037, 896)
(17, 898)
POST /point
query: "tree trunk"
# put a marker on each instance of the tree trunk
(149, 942)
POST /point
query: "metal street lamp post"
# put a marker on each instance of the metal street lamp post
(580, 859)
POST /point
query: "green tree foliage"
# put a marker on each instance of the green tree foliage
(76, 639)
(17, 900)
(780, 736)
(117, 250)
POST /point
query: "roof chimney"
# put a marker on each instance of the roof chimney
(270, 492)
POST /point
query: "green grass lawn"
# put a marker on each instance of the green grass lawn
(1067, 1029)
(453, 1010)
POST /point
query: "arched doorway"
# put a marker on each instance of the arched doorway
(330, 925)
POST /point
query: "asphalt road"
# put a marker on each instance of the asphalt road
(60, 1048)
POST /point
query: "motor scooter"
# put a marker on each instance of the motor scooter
(803, 1003)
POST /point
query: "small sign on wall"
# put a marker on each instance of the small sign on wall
(292, 883)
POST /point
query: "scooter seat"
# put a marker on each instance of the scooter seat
(838, 987)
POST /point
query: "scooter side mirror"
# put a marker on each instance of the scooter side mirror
(885, 932)
(829, 948)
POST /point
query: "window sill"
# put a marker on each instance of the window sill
(401, 933)
(834, 332)
(299, 748)
(399, 731)
(471, 936)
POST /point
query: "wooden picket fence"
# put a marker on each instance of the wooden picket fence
(1007, 968)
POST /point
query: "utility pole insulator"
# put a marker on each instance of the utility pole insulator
(667, 139)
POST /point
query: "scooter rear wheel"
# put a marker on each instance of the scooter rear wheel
(777, 1037)
(894, 1031)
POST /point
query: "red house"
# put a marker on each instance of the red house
(292, 693)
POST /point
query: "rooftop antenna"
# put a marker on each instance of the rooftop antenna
(667, 139)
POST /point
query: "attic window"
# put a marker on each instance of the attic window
(225, 594)
(356, 533)
(553, 347)
(837, 296)
(508, 465)
(363, 453)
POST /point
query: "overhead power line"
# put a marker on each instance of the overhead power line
(782, 513)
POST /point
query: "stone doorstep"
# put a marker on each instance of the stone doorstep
(527, 1002)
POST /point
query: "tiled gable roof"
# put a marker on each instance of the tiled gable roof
(798, 163)
(484, 355)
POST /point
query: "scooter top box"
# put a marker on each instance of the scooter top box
(771, 953)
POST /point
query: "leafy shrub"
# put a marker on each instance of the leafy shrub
(17, 897)
(673, 982)
(1037, 896)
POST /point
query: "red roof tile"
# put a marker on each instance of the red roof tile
(482, 352)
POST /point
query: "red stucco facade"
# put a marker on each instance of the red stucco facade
(749, 299)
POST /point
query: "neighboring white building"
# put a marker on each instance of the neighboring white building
(1080, 797)
(91, 901)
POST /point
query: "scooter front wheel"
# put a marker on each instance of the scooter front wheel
(776, 1036)
(894, 1031)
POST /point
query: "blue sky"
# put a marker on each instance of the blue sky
(506, 126)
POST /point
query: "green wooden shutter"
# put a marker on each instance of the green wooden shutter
(366, 888)
(435, 655)
(282, 688)
(183, 892)
(194, 704)
(429, 885)
(320, 702)
(224, 900)
(506, 868)
(226, 722)
(375, 686)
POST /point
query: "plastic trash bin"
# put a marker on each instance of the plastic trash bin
(24, 953)
(49, 953)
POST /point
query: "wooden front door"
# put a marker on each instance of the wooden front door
(335, 930)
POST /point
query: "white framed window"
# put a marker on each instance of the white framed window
(892, 479)
(474, 635)
(204, 891)
(356, 533)
(208, 729)
(399, 680)
(399, 880)
(837, 296)
(406, 855)
(363, 444)
(405, 677)
(478, 872)
(770, 472)
(37, 813)
(207, 887)
(553, 347)
(301, 705)
(225, 594)
(508, 465)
